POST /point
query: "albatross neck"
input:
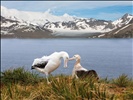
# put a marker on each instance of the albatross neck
(77, 61)
(61, 54)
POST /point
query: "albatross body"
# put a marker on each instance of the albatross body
(48, 64)
(77, 66)
(79, 71)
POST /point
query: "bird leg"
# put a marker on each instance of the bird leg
(76, 76)
(47, 78)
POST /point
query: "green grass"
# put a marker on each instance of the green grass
(19, 84)
(19, 75)
(123, 81)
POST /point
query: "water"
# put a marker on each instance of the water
(109, 57)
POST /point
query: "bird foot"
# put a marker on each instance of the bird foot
(49, 83)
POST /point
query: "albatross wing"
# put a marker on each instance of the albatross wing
(40, 62)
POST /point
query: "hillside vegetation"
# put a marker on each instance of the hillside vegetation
(19, 84)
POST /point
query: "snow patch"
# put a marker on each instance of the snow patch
(122, 28)
(101, 35)
(6, 33)
(7, 24)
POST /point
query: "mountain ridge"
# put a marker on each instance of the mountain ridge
(63, 26)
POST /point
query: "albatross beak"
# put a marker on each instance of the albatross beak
(71, 58)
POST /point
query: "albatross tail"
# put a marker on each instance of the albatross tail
(32, 67)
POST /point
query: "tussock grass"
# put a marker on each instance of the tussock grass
(19, 75)
(19, 84)
(123, 81)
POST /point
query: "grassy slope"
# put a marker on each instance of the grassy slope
(19, 84)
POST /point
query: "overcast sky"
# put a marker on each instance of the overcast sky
(109, 10)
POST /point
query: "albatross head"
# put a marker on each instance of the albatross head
(65, 56)
(76, 57)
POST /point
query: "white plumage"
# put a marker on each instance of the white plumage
(47, 64)
(79, 71)
(77, 66)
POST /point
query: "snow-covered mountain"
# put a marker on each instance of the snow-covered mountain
(13, 28)
(123, 28)
(22, 24)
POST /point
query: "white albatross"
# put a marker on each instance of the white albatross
(81, 72)
(77, 66)
(48, 64)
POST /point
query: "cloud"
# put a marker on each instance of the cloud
(61, 5)
(77, 8)
(108, 16)
(72, 5)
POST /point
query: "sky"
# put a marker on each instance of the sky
(107, 10)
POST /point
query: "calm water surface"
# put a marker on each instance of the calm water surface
(109, 57)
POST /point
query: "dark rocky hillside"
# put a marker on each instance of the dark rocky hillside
(117, 33)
